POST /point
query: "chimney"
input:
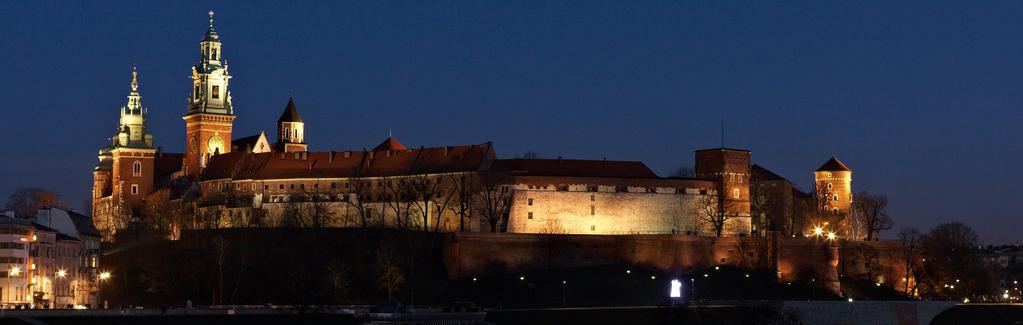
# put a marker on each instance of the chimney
(446, 148)
(330, 160)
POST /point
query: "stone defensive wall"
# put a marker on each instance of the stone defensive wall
(794, 259)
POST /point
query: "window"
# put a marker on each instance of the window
(829, 186)
(593, 210)
(735, 193)
(529, 201)
(266, 187)
(333, 185)
(136, 168)
(593, 197)
(281, 186)
(216, 92)
(134, 189)
(835, 197)
(529, 215)
(593, 228)
(196, 93)
(291, 186)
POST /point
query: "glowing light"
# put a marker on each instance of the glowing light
(966, 300)
(831, 235)
(817, 231)
(473, 279)
(676, 289)
(957, 280)
(522, 278)
(15, 271)
(850, 300)
(653, 277)
(80, 307)
(104, 275)
(747, 275)
(716, 268)
(628, 271)
(878, 284)
(1005, 295)
(952, 286)
(706, 275)
(61, 273)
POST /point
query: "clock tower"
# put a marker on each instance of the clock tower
(210, 115)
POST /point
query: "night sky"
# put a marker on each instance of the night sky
(921, 99)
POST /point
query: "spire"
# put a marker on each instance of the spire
(134, 79)
(133, 131)
(211, 34)
(290, 113)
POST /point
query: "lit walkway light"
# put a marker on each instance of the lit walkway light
(676, 289)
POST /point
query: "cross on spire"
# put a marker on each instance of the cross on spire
(211, 18)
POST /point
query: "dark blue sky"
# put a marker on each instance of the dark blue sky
(921, 99)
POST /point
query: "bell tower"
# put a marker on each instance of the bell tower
(290, 129)
(125, 169)
(210, 116)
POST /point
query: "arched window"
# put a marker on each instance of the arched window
(136, 169)
(735, 193)
(829, 186)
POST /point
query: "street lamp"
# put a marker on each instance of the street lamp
(103, 276)
(13, 272)
(818, 231)
(831, 235)
(61, 273)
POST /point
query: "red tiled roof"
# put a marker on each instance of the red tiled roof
(833, 165)
(390, 144)
(342, 164)
(574, 168)
(167, 163)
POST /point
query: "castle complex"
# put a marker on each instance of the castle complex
(221, 181)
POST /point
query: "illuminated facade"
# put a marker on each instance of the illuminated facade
(220, 181)
(49, 261)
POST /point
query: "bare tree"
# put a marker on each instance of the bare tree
(400, 196)
(26, 201)
(357, 194)
(293, 211)
(910, 239)
(463, 189)
(494, 199)
(764, 202)
(389, 274)
(871, 212)
(430, 189)
(321, 212)
(713, 210)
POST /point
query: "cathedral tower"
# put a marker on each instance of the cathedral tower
(210, 116)
(290, 129)
(125, 169)
(834, 191)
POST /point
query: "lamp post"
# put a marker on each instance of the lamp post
(14, 271)
(61, 274)
(103, 276)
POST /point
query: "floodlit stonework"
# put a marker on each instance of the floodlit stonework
(224, 182)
